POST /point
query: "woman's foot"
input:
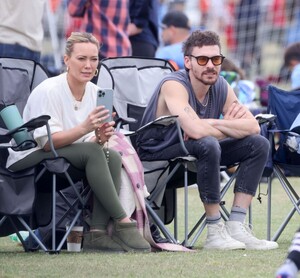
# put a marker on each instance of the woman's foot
(128, 236)
(100, 241)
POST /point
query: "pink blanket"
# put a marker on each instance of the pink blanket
(135, 171)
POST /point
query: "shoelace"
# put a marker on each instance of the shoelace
(248, 229)
(223, 232)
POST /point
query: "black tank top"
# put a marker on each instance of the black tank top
(157, 139)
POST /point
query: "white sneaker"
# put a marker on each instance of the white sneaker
(241, 232)
(218, 238)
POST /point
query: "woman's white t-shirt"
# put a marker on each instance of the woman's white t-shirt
(53, 97)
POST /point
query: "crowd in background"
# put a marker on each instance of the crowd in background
(253, 32)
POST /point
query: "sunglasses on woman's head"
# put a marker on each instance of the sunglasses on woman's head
(203, 60)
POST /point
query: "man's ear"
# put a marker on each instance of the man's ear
(187, 62)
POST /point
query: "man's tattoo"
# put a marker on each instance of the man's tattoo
(189, 112)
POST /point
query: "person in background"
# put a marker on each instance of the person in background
(243, 87)
(143, 27)
(175, 30)
(107, 21)
(81, 135)
(21, 28)
(291, 265)
(198, 95)
(292, 62)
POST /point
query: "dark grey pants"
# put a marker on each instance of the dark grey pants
(250, 152)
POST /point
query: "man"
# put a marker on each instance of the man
(199, 96)
(175, 30)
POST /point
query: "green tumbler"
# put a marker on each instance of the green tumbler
(12, 119)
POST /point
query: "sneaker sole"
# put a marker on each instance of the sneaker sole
(238, 246)
(227, 248)
(262, 248)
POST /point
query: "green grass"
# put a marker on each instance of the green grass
(15, 263)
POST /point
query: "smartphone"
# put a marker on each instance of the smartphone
(105, 97)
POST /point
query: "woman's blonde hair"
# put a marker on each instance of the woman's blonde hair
(79, 37)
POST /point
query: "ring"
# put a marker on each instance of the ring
(99, 121)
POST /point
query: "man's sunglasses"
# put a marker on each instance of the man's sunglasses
(203, 60)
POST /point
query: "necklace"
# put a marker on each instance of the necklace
(206, 98)
(77, 102)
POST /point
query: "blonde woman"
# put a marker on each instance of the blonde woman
(79, 132)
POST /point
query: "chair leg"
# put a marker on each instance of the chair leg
(186, 193)
(283, 225)
(292, 195)
(250, 215)
(53, 249)
(269, 212)
(160, 224)
(175, 216)
(32, 234)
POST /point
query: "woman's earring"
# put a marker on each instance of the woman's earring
(96, 72)
(67, 69)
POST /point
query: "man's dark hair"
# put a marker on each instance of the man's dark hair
(200, 39)
(292, 52)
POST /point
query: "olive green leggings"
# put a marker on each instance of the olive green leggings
(104, 178)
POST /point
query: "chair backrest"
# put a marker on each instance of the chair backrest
(18, 77)
(134, 80)
(286, 106)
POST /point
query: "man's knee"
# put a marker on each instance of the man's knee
(209, 146)
(261, 145)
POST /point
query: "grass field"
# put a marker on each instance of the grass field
(201, 263)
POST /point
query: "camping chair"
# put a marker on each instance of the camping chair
(141, 74)
(134, 80)
(31, 193)
(284, 162)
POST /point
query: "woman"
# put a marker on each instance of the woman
(68, 99)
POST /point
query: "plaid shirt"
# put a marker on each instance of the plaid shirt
(107, 20)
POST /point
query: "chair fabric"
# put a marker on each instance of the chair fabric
(134, 80)
(28, 198)
(284, 163)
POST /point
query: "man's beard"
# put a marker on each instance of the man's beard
(208, 81)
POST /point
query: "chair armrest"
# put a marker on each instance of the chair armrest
(30, 125)
(124, 121)
(265, 118)
(164, 121)
(27, 127)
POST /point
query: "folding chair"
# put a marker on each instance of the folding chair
(140, 75)
(32, 192)
(284, 163)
